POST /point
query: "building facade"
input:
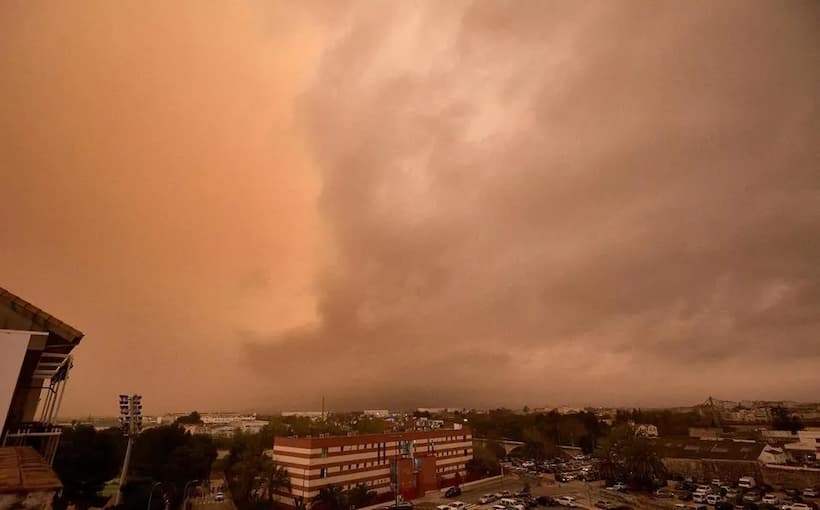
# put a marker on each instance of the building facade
(418, 461)
(35, 361)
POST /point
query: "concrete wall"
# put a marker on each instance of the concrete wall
(789, 477)
(704, 469)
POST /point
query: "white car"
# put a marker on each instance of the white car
(617, 487)
(499, 507)
(770, 499)
(456, 505)
(566, 501)
(443, 507)
(712, 499)
(809, 493)
(699, 497)
(746, 482)
(486, 498)
(220, 496)
(796, 506)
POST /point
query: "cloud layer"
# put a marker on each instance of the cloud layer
(254, 204)
(562, 202)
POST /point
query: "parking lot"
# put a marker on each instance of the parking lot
(587, 494)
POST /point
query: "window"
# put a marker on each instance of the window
(465, 451)
(323, 472)
(324, 452)
(342, 448)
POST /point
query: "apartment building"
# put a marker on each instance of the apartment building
(419, 461)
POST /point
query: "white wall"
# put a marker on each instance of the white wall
(13, 345)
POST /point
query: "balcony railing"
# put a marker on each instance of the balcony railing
(43, 437)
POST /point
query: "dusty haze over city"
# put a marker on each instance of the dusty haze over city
(254, 204)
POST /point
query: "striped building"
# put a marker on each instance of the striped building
(424, 461)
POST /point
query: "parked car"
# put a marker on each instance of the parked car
(664, 493)
(522, 493)
(751, 497)
(443, 507)
(499, 507)
(546, 501)
(568, 501)
(770, 499)
(699, 497)
(809, 493)
(712, 499)
(403, 505)
(504, 494)
(453, 492)
(684, 495)
(457, 505)
(219, 496)
(618, 486)
(486, 498)
(796, 506)
(746, 482)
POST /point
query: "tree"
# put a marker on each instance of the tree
(192, 419)
(484, 462)
(85, 460)
(782, 419)
(331, 497)
(360, 496)
(536, 445)
(170, 455)
(274, 477)
(625, 457)
(252, 475)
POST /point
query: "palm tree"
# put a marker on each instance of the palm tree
(331, 497)
(360, 496)
(272, 477)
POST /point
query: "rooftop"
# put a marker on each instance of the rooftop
(35, 318)
(725, 449)
(22, 469)
(320, 441)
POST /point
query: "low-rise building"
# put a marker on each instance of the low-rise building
(377, 413)
(225, 418)
(416, 461)
(706, 459)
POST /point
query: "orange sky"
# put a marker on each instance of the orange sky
(249, 205)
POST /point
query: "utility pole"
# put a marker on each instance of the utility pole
(130, 424)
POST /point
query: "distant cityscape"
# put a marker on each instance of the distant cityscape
(224, 423)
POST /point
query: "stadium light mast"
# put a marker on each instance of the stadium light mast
(131, 425)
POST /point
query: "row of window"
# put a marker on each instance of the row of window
(452, 453)
(383, 445)
(454, 467)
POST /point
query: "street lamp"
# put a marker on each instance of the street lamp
(185, 491)
(151, 494)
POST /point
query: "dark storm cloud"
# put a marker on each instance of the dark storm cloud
(534, 201)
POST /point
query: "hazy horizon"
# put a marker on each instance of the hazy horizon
(251, 205)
